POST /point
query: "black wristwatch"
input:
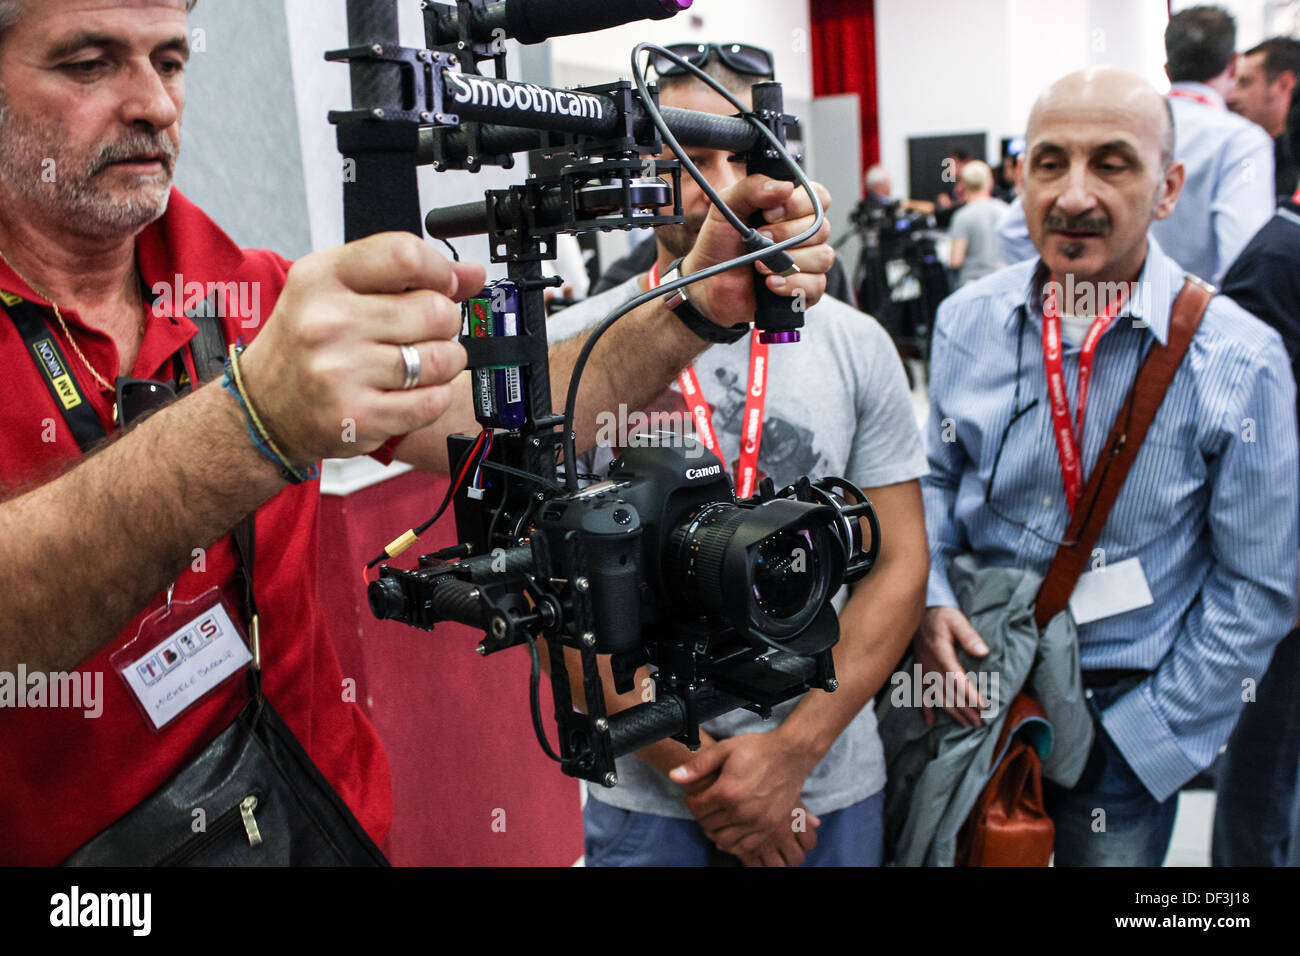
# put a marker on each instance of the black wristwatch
(691, 317)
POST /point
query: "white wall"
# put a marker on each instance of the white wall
(941, 67)
(956, 66)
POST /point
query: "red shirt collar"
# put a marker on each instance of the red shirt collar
(181, 247)
(184, 241)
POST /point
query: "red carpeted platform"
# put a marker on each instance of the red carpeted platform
(471, 786)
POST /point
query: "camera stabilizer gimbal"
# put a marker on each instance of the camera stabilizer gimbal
(658, 564)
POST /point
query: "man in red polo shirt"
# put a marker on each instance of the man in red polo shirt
(91, 94)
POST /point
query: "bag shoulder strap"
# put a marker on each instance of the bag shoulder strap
(1121, 449)
(209, 350)
(208, 346)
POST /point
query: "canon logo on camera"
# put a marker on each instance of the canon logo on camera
(710, 471)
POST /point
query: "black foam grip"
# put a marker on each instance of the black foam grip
(467, 219)
(772, 312)
(496, 139)
(703, 130)
(490, 567)
(710, 130)
(470, 219)
(532, 21)
(644, 724)
(457, 600)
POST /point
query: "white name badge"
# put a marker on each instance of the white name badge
(1110, 590)
(167, 675)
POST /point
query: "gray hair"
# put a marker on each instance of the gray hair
(11, 12)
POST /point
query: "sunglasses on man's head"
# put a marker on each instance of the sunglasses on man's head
(741, 57)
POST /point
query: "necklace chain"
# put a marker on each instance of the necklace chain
(103, 382)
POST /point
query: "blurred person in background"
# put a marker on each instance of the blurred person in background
(976, 251)
(1228, 193)
(1013, 234)
(880, 187)
(1007, 181)
(1256, 777)
(1266, 78)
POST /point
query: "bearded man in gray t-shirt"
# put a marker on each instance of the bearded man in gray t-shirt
(807, 784)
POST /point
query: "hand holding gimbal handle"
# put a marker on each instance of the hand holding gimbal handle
(778, 318)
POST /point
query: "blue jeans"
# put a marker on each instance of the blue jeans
(1112, 820)
(613, 837)
(1256, 778)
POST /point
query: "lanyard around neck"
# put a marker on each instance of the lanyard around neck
(1198, 97)
(751, 429)
(1069, 440)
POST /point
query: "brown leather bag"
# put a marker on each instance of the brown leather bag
(1008, 826)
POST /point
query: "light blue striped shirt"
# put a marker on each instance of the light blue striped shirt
(1209, 508)
(1228, 194)
(1013, 234)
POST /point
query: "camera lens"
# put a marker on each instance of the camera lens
(766, 569)
(785, 574)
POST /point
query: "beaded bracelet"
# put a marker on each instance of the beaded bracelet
(233, 382)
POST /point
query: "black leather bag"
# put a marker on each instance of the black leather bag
(264, 803)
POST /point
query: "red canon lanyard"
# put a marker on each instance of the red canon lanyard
(1068, 440)
(751, 436)
(1189, 95)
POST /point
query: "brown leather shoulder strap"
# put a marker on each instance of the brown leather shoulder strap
(1121, 449)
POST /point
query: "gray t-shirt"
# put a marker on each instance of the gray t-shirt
(977, 223)
(837, 404)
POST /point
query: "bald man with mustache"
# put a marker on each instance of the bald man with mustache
(1207, 518)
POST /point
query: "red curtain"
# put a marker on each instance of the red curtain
(844, 61)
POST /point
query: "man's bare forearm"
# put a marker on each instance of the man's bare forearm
(80, 555)
(631, 365)
(876, 624)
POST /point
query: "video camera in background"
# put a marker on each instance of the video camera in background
(899, 278)
(656, 563)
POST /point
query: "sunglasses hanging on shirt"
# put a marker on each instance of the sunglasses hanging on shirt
(138, 397)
